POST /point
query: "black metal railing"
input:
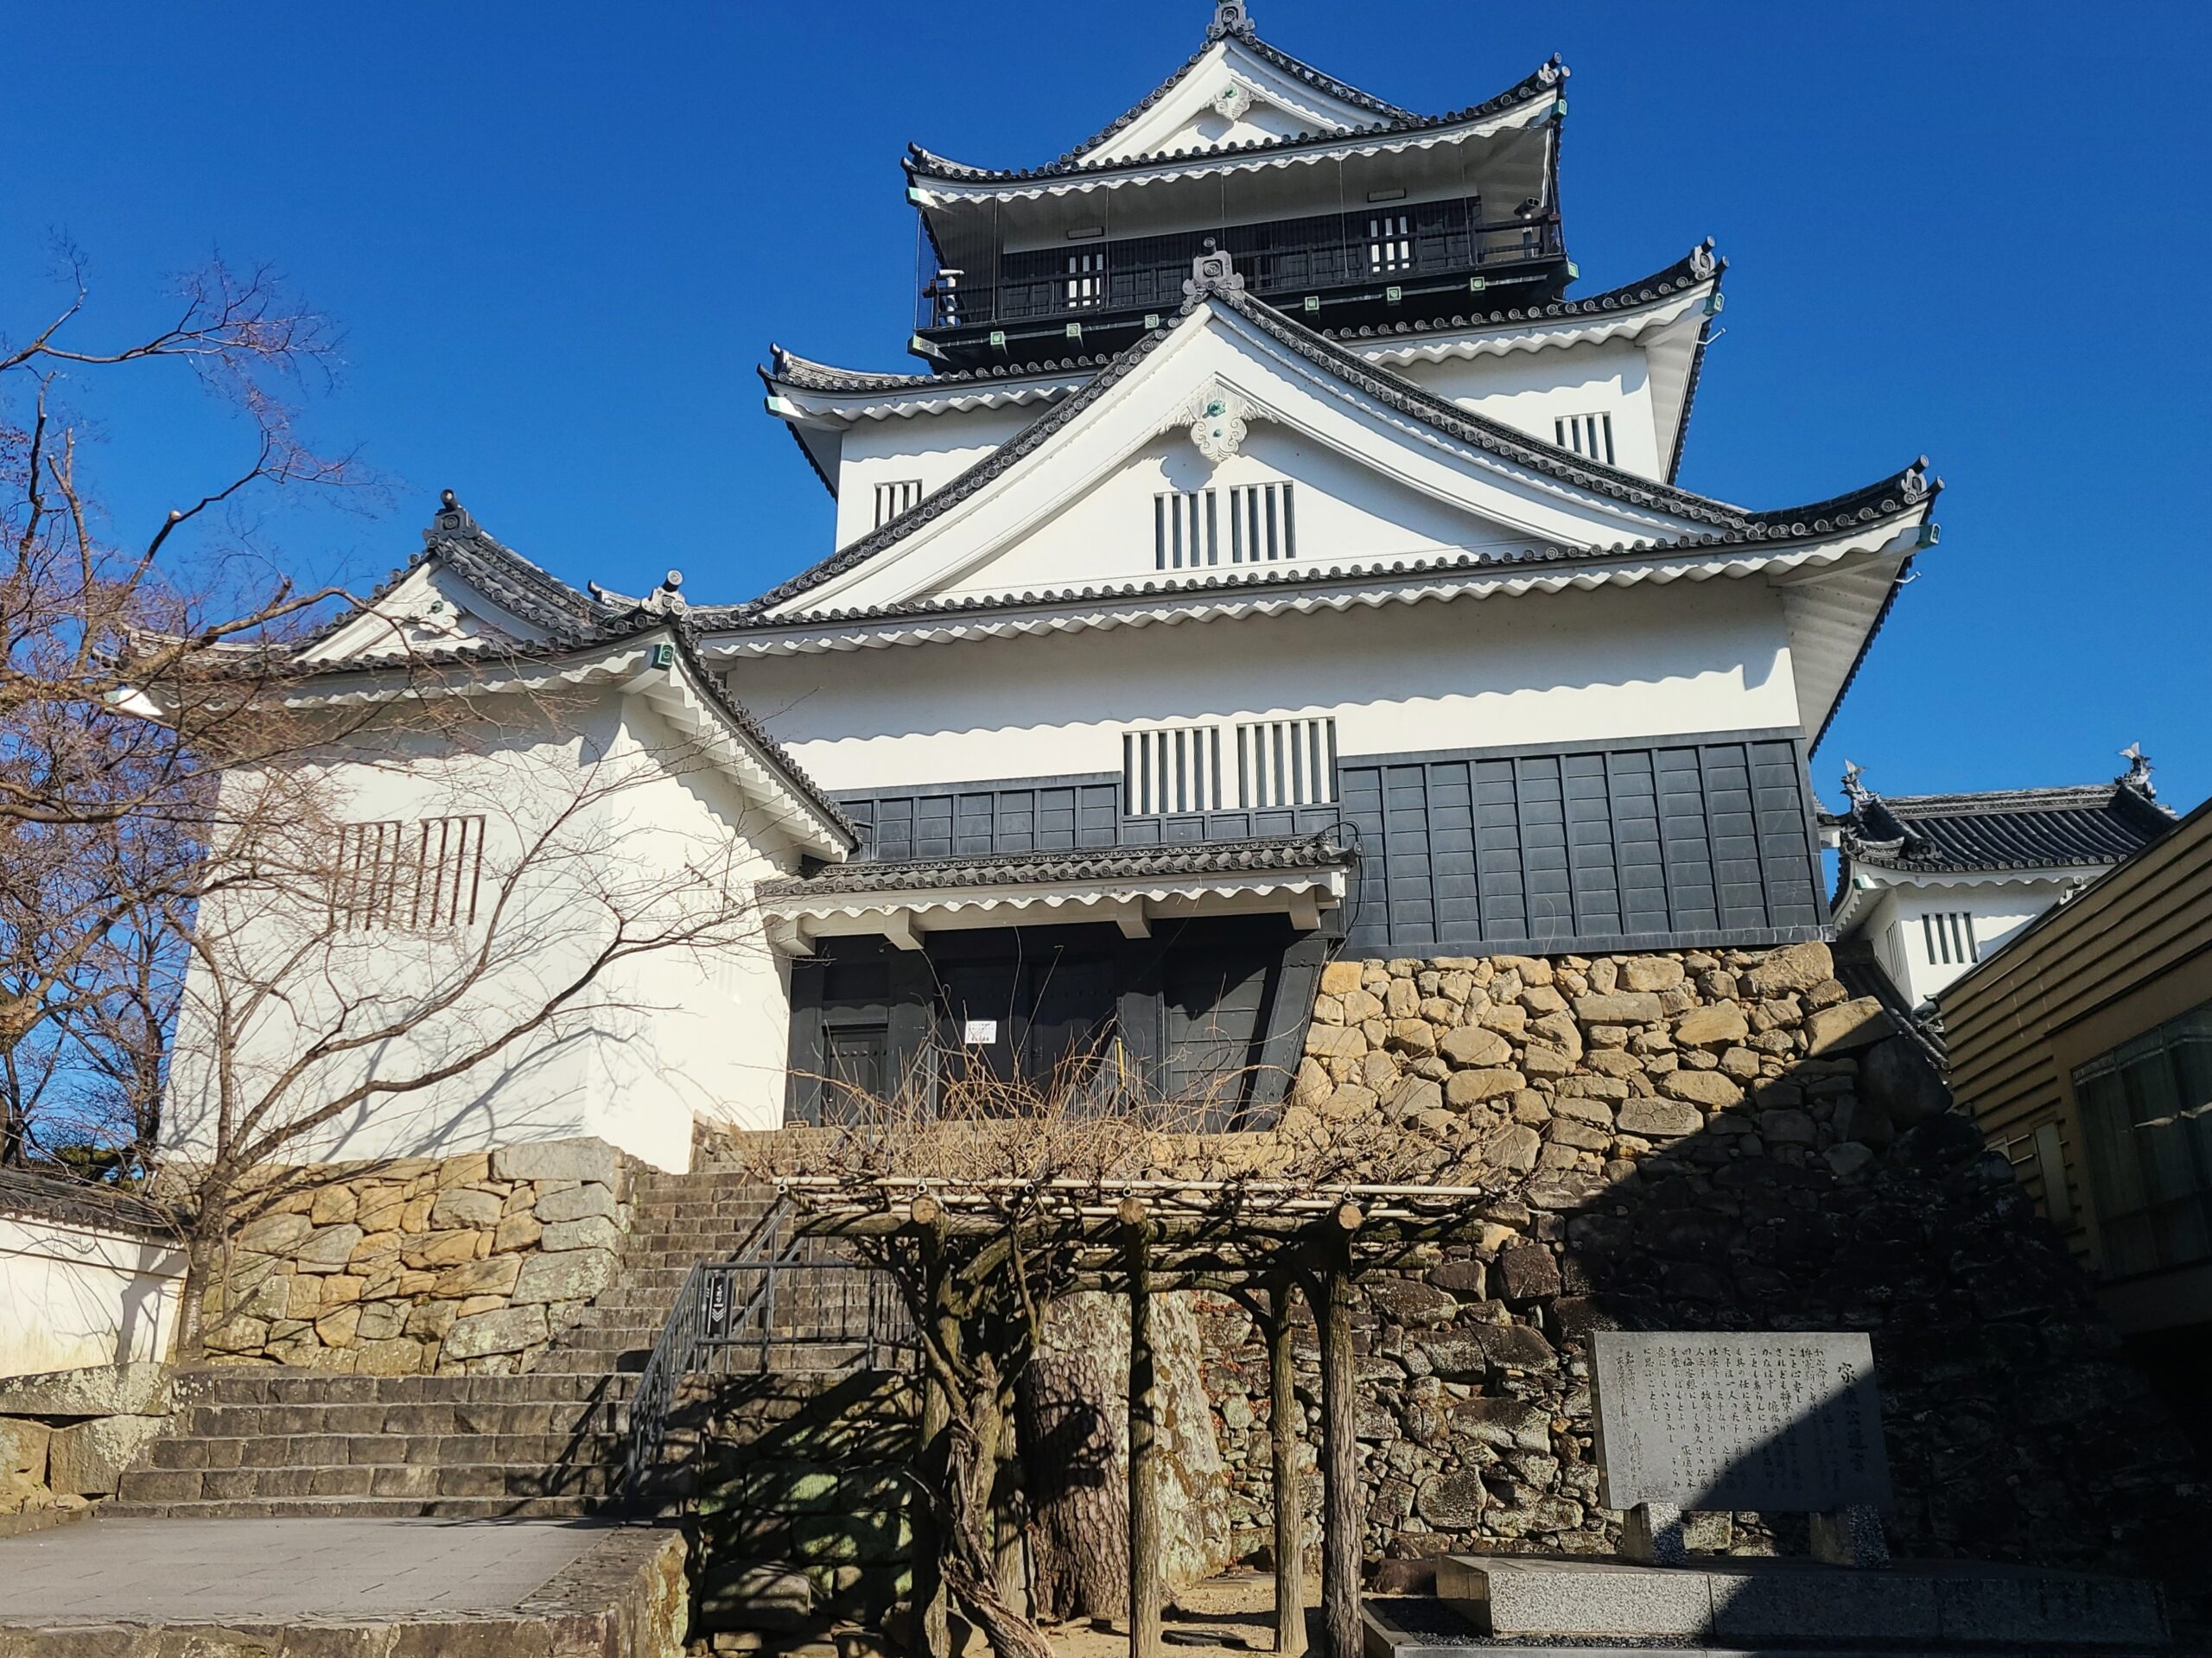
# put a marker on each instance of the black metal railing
(781, 1290)
(1389, 243)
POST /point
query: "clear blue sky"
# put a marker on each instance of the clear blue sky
(559, 238)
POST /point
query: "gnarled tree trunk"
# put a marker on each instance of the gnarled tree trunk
(1074, 1425)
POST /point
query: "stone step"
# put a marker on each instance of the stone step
(271, 1385)
(559, 1508)
(416, 1481)
(210, 1451)
(565, 1419)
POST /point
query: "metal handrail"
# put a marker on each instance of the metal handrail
(729, 1306)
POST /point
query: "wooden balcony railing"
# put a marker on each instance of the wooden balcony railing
(1386, 244)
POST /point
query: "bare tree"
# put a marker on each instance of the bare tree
(101, 810)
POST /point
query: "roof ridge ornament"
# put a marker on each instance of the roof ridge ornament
(1913, 482)
(452, 519)
(1854, 789)
(1703, 264)
(1213, 271)
(2137, 775)
(1231, 17)
(1552, 71)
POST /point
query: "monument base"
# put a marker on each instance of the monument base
(1936, 1604)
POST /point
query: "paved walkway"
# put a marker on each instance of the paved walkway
(179, 1571)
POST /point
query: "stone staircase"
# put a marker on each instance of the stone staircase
(548, 1442)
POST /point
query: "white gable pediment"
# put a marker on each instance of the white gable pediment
(1075, 503)
(429, 611)
(1229, 95)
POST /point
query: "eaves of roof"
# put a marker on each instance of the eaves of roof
(1545, 82)
(1886, 497)
(1199, 858)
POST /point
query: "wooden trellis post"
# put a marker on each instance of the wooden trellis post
(1146, 1594)
(929, 1592)
(1284, 1420)
(1343, 1518)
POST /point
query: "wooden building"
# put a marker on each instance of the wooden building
(2084, 1049)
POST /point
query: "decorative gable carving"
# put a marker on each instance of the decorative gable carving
(1218, 421)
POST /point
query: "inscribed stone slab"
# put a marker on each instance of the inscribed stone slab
(1785, 1423)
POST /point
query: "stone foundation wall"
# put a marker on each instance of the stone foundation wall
(805, 1475)
(470, 1264)
(66, 1437)
(1696, 1141)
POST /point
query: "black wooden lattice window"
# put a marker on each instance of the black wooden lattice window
(413, 876)
(1389, 242)
(2147, 1129)
(1085, 287)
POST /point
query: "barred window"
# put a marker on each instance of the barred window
(1251, 765)
(1190, 528)
(1586, 435)
(1949, 938)
(1086, 280)
(893, 498)
(411, 876)
(1389, 242)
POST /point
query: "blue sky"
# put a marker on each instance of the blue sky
(559, 238)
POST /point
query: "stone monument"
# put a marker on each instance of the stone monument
(1780, 1423)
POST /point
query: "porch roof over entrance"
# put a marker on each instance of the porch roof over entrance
(1297, 876)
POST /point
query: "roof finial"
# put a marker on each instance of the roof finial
(1854, 791)
(1213, 271)
(452, 519)
(2138, 776)
(1229, 17)
(668, 597)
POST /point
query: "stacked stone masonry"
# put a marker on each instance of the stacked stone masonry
(1699, 1140)
(67, 1437)
(470, 1264)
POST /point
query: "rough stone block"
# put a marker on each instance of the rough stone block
(1716, 1027)
(494, 1275)
(559, 1159)
(1898, 1076)
(24, 1447)
(89, 1458)
(1848, 1026)
(461, 1206)
(1337, 977)
(517, 1232)
(328, 1248)
(1454, 1501)
(571, 1275)
(767, 1595)
(1527, 1272)
(509, 1331)
(1335, 1041)
(1622, 1008)
(1465, 1088)
(1708, 1088)
(576, 1203)
(1660, 1119)
(274, 1235)
(1476, 1046)
(99, 1390)
(1798, 967)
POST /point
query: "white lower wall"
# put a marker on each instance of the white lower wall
(1566, 668)
(72, 1296)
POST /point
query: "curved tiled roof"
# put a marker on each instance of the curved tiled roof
(1274, 56)
(1728, 523)
(2003, 830)
(788, 368)
(1200, 858)
(1543, 83)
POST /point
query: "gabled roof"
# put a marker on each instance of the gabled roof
(1542, 83)
(2084, 826)
(572, 634)
(1704, 519)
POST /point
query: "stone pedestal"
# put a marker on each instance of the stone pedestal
(1937, 1604)
(1651, 1535)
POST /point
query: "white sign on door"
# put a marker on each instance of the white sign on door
(979, 1033)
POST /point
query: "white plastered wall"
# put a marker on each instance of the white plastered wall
(1908, 924)
(625, 819)
(73, 1296)
(1607, 665)
(932, 449)
(1531, 391)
